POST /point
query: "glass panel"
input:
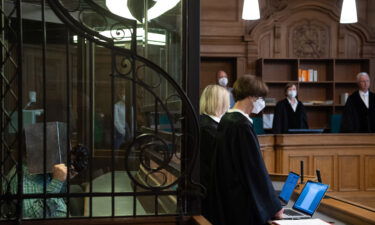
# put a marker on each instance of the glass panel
(111, 117)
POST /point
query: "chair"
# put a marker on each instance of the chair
(258, 125)
(335, 123)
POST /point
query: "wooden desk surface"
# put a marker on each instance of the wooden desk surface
(349, 213)
(342, 211)
(346, 161)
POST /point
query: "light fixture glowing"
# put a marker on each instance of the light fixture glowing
(160, 7)
(120, 8)
(250, 10)
(349, 12)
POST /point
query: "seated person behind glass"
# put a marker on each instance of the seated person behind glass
(289, 113)
(33, 182)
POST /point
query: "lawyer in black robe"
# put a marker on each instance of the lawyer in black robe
(214, 102)
(286, 118)
(208, 128)
(241, 189)
(357, 118)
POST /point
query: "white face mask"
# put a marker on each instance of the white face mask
(292, 94)
(223, 81)
(258, 106)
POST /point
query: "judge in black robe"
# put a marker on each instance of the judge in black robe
(285, 117)
(241, 189)
(357, 117)
(214, 102)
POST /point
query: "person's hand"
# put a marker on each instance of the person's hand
(72, 172)
(59, 172)
(279, 214)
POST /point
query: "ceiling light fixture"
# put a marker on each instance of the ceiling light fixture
(250, 10)
(120, 8)
(349, 12)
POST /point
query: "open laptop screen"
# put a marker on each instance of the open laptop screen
(288, 188)
(310, 197)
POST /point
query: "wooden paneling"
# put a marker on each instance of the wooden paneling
(278, 33)
(265, 46)
(220, 10)
(346, 161)
(269, 159)
(349, 173)
(326, 166)
(267, 147)
(346, 211)
(209, 68)
(370, 173)
(294, 164)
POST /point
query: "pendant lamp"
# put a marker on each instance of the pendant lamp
(250, 10)
(349, 12)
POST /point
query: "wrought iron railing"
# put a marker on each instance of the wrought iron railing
(161, 150)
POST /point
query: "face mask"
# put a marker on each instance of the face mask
(123, 98)
(258, 105)
(223, 81)
(292, 94)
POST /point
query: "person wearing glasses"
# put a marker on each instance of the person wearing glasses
(241, 189)
(359, 111)
(289, 112)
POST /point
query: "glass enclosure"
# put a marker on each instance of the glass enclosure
(97, 86)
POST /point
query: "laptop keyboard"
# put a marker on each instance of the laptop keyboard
(290, 212)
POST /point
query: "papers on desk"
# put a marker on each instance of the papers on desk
(267, 121)
(299, 222)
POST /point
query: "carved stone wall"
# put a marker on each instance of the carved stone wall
(287, 29)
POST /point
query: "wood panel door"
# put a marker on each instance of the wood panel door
(209, 68)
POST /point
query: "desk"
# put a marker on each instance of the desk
(332, 210)
(346, 161)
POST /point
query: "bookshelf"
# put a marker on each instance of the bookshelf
(322, 97)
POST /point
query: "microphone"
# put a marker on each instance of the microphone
(302, 172)
(318, 176)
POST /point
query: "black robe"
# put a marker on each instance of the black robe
(207, 146)
(357, 118)
(285, 118)
(241, 190)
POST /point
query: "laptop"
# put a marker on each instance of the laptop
(288, 188)
(307, 202)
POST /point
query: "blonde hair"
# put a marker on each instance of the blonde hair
(214, 100)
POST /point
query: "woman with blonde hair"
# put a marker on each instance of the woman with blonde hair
(214, 102)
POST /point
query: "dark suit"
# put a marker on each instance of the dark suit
(357, 118)
(207, 146)
(285, 118)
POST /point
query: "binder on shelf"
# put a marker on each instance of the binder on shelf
(315, 77)
(311, 75)
(304, 75)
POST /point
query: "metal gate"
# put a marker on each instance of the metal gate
(90, 75)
